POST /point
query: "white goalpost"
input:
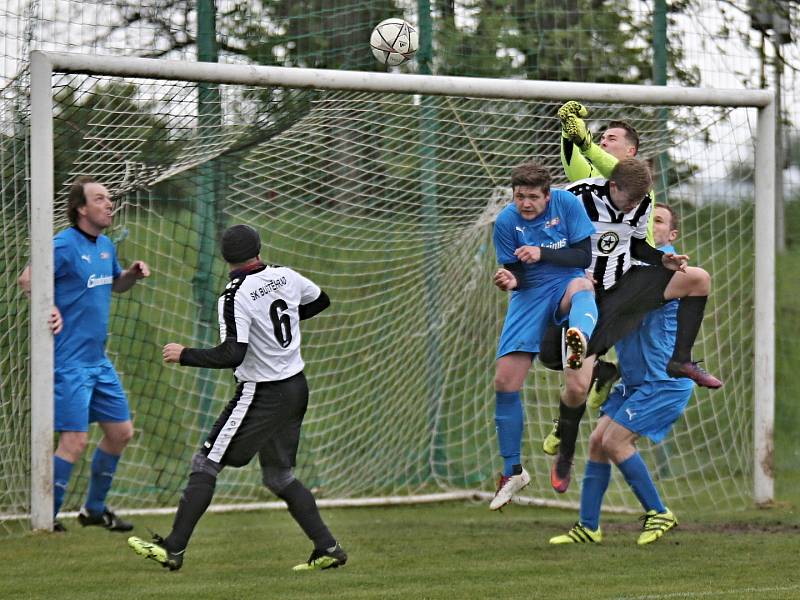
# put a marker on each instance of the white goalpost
(362, 184)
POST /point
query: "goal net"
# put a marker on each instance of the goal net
(387, 200)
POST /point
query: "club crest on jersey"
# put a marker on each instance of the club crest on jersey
(607, 242)
(552, 222)
(105, 255)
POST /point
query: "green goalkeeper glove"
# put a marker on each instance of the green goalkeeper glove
(575, 129)
(572, 107)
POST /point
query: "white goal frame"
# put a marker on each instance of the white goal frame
(45, 64)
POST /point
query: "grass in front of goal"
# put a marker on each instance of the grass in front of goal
(459, 550)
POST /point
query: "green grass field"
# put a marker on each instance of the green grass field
(435, 551)
(459, 550)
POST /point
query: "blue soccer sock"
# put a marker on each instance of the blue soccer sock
(103, 467)
(638, 477)
(62, 470)
(509, 418)
(593, 488)
(583, 312)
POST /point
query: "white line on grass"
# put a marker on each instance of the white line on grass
(763, 590)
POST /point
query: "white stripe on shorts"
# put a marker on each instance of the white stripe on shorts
(232, 424)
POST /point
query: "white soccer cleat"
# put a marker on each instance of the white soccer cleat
(507, 486)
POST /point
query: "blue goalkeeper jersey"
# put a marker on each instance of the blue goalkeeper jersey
(84, 271)
(563, 222)
(644, 353)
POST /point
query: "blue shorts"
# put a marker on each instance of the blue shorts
(84, 395)
(648, 409)
(529, 313)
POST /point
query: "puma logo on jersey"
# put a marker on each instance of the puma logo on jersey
(520, 229)
(86, 257)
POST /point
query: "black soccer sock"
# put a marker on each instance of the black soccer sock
(690, 316)
(193, 503)
(303, 509)
(568, 420)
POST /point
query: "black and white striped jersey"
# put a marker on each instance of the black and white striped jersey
(611, 241)
(262, 309)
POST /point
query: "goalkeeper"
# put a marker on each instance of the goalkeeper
(583, 159)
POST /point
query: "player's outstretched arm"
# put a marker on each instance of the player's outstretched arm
(227, 355)
(675, 262)
(601, 160)
(575, 164)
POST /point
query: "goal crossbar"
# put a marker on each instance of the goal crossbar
(475, 87)
(45, 64)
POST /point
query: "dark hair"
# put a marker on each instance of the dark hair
(674, 219)
(240, 243)
(77, 197)
(633, 177)
(531, 174)
(630, 133)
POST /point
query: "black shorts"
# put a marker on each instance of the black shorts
(263, 418)
(620, 311)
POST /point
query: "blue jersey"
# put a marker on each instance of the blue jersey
(644, 353)
(84, 272)
(563, 222)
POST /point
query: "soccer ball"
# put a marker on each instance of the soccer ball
(394, 42)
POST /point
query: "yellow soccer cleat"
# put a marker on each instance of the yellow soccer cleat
(330, 558)
(656, 525)
(552, 440)
(605, 375)
(156, 551)
(578, 535)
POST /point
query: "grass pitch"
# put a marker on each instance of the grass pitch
(448, 551)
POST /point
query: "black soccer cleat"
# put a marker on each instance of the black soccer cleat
(106, 519)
